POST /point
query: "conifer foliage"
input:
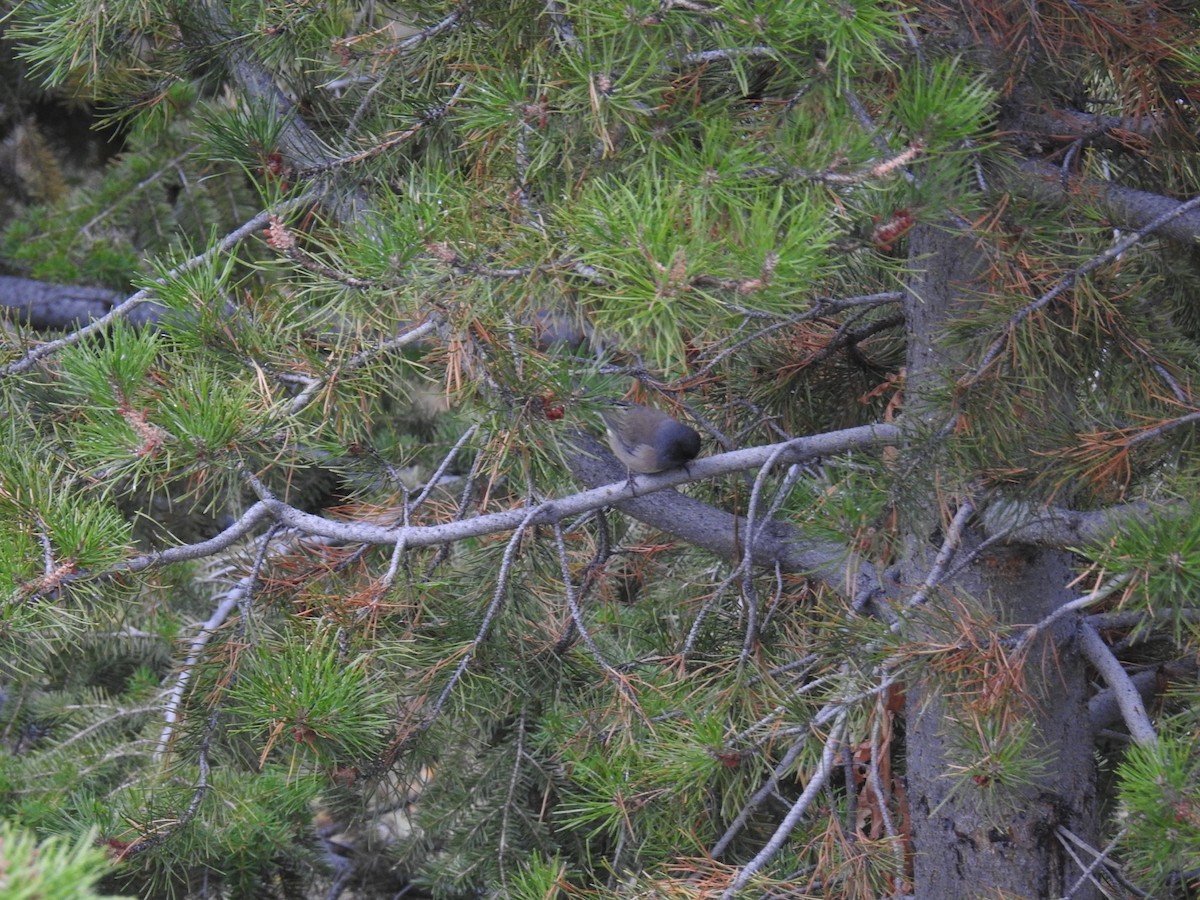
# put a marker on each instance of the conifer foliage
(319, 580)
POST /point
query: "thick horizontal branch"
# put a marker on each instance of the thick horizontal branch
(1073, 125)
(59, 307)
(724, 534)
(1126, 207)
(775, 544)
(1017, 522)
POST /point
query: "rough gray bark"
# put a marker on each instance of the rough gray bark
(999, 839)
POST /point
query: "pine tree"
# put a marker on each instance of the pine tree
(321, 576)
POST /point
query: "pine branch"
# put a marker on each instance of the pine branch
(1043, 183)
(1155, 225)
(815, 785)
(1133, 711)
(719, 532)
(127, 306)
(1017, 522)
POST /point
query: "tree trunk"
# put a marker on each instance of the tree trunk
(975, 836)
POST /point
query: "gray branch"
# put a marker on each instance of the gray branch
(63, 307)
(1018, 522)
(647, 498)
(1126, 207)
(777, 543)
(1125, 692)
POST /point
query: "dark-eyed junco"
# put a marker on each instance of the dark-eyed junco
(647, 440)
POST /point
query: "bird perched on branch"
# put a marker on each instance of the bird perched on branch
(647, 440)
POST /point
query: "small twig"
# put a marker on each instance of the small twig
(1064, 835)
(1162, 428)
(747, 562)
(563, 29)
(750, 602)
(428, 118)
(1103, 592)
(729, 53)
(799, 808)
(233, 597)
(577, 617)
(148, 842)
(236, 597)
(513, 781)
(889, 826)
(443, 467)
(358, 360)
(759, 797)
(776, 596)
(796, 664)
(593, 570)
(506, 563)
(881, 169)
(850, 823)
(436, 709)
(945, 555)
(414, 40)
(464, 500)
(47, 548)
(821, 306)
(389, 577)
(693, 635)
(829, 711)
(171, 165)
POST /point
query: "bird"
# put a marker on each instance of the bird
(647, 440)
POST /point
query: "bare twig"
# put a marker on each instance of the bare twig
(885, 814)
(443, 467)
(199, 792)
(1099, 862)
(728, 53)
(693, 634)
(360, 359)
(577, 617)
(815, 784)
(401, 137)
(234, 597)
(821, 306)
(829, 712)
(1101, 593)
(893, 163)
(945, 555)
(563, 29)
